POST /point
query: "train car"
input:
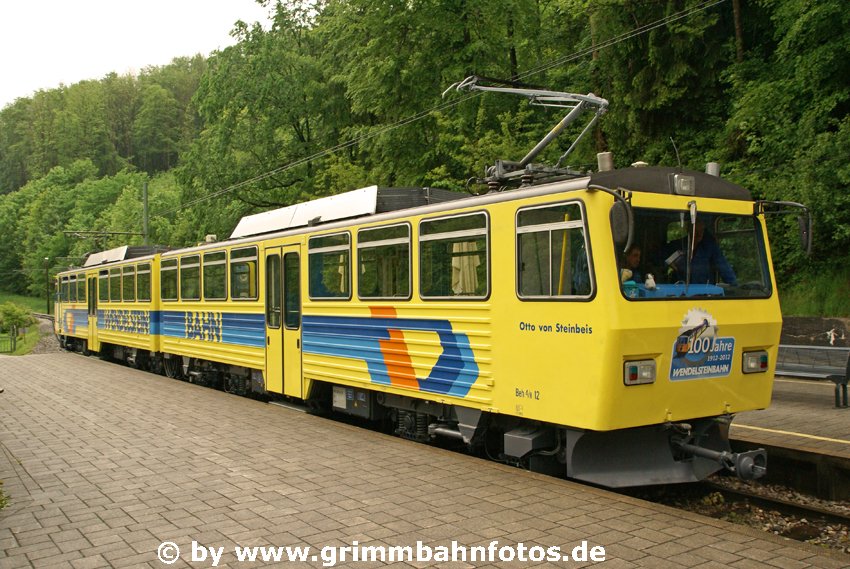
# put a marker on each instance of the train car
(517, 322)
(120, 317)
(71, 323)
(212, 323)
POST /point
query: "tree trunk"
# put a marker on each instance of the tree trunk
(739, 32)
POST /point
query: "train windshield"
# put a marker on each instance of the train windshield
(719, 255)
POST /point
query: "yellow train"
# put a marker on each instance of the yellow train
(516, 322)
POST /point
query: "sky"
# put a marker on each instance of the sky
(45, 43)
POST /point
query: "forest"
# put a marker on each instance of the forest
(339, 94)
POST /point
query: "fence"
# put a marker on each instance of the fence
(817, 361)
(9, 342)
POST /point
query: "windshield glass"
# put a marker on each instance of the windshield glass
(726, 253)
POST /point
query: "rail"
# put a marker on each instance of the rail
(821, 362)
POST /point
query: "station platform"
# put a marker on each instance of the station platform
(802, 416)
(105, 465)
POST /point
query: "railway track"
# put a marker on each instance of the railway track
(778, 510)
(807, 511)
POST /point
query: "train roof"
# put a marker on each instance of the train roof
(347, 205)
(659, 180)
(124, 253)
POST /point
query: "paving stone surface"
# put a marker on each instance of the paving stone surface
(104, 463)
(802, 415)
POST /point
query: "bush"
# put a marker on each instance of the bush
(15, 316)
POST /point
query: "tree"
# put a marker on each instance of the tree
(156, 129)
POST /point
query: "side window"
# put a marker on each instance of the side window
(115, 285)
(63, 290)
(168, 279)
(215, 276)
(552, 252)
(143, 282)
(190, 277)
(330, 266)
(243, 274)
(454, 257)
(81, 287)
(72, 288)
(383, 261)
(129, 283)
(103, 286)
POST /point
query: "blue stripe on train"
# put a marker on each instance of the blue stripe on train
(359, 338)
(218, 327)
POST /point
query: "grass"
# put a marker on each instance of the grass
(28, 341)
(826, 294)
(34, 304)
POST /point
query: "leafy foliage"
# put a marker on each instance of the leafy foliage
(15, 316)
(346, 93)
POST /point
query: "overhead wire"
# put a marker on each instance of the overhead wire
(707, 4)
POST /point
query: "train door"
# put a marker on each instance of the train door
(274, 331)
(292, 384)
(283, 320)
(94, 343)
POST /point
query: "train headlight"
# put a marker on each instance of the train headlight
(755, 362)
(639, 372)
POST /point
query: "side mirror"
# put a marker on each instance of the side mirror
(620, 224)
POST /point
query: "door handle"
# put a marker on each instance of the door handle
(268, 340)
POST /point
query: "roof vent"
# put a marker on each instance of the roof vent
(640, 164)
(211, 238)
(713, 169)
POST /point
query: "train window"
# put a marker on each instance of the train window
(190, 277)
(454, 257)
(719, 256)
(72, 288)
(63, 290)
(103, 286)
(143, 282)
(383, 256)
(552, 252)
(215, 275)
(128, 279)
(81, 287)
(273, 291)
(330, 266)
(115, 285)
(292, 290)
(168, 279)
(243, 274)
